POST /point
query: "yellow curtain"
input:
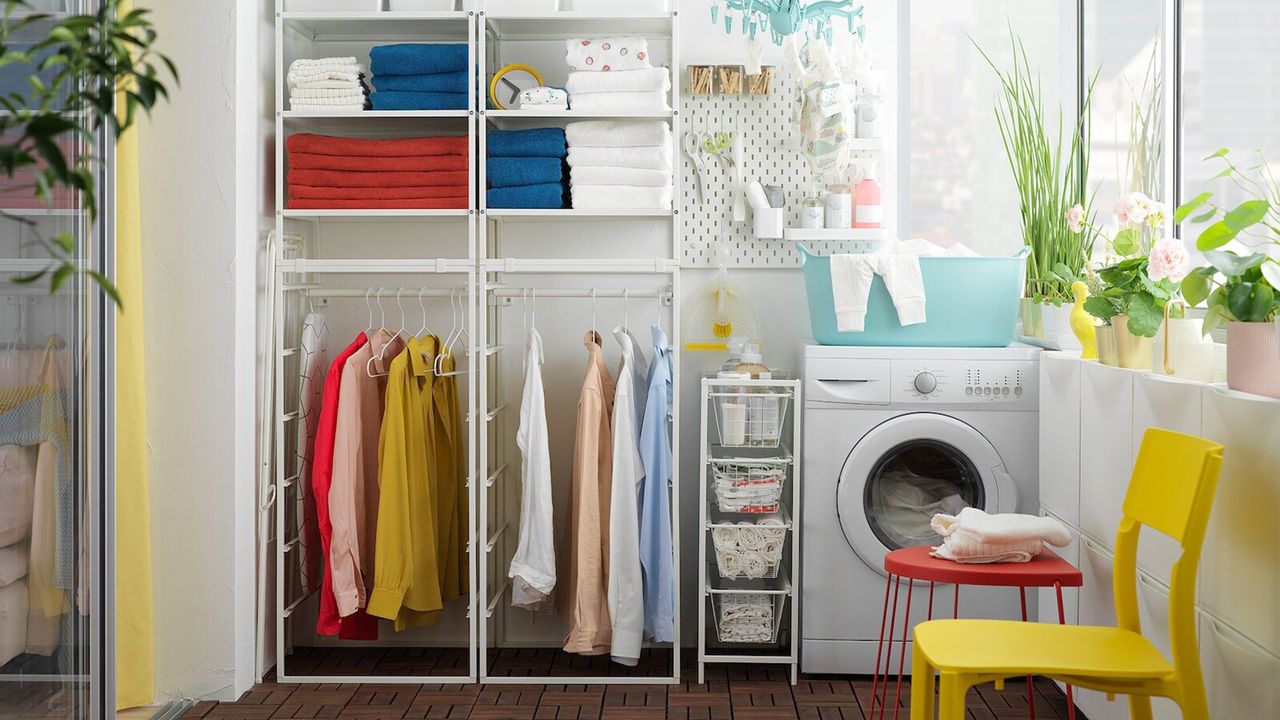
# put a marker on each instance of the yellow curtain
(135, 650)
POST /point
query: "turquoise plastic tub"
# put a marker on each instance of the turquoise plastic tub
(969, 302)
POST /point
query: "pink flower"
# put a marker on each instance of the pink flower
(1168, 259)
(1133, 208)
(1075, 218)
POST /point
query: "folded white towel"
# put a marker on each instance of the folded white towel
(328, 104)
(973, 536)
(327, 93)
(607, 54)
(323, 62)
(632, 197)
(581, 83)
(330, 85)
(617, 133)
(647, 101)
(606, 175)
(305, 70)
(851, 277)
(653, 157)
(306, 79)
(982, 553)
(351, 107)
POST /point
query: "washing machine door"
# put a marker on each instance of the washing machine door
(908, 468)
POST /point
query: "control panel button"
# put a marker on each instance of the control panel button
(968, 390)
(926, 383)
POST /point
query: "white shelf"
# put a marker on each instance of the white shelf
(566, 24)
(570, 214)
(378, 26)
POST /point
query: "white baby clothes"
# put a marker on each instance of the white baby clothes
(533, 567)
(851, 279)
(544, 98)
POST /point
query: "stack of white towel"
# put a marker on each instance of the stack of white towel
(333, 84)
(973, 536)
(619, 164)
(613, 75)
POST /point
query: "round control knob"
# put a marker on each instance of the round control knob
(926, 383)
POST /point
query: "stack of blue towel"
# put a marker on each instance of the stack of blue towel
(419, 77)
(526, 169)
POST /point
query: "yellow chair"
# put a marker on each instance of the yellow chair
(1171, 490)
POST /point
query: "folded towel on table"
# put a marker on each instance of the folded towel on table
(435, 82)
(350, 178)
(653, 158)
(973, 536)
(605, 175)
(393, 147)
(536, 142)
(396, 100)
(594, 197)
(509, 172)
(580, 83)
(313, 192)
(607, 54)
(617, 133)
(541, 196)
(455, 203)
(621, 102)
(418, 59)
(310, 93)
(424, 163)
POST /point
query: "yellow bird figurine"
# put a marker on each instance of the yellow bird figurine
(1082, 323)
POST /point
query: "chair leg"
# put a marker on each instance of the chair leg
(1194, 704)
(951, 699)
(1031, 693)
(1140, 708)
(1062, 620)
(922, 682)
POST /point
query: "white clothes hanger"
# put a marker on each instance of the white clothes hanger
(626, 309)
(593, 312)
(460, 323)
(423, 306)
(382, 313)
(447, 343)
(368, 306)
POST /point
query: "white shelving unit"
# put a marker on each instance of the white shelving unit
(746, 445)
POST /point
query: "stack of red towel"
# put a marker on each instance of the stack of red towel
(328, 172)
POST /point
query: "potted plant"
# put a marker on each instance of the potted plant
(1051, 177)
(1240, 289)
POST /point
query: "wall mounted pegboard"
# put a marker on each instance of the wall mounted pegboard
(771, 155)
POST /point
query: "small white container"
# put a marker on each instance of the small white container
(839, 210)
(770, 222)
(735, 424)
(332, 5)
(421, 5)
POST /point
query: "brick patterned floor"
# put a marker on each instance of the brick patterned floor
(732, 692)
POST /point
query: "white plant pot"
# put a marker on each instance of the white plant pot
(1253, 358)
(1050, 324)
(1181, 350)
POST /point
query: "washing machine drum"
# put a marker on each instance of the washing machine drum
(907, 469)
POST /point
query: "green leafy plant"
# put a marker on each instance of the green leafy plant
(1051, 176)
(1128, 289)
(88, 72)
(1236, 287)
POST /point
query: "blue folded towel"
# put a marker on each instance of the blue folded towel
(418, 59)
(418, 100)
(509, 172)
(543, 196)
(537, 142)
(437, 82)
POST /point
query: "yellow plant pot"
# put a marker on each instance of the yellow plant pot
(1132, 351)
(1106, 336)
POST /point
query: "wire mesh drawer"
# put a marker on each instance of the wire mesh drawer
(751, 418)
(749, 486)
(749, 550)
(748, 617)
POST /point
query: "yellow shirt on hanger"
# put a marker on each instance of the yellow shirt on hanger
(406, 565)
(451, 505)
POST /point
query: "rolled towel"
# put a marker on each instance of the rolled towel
(348, 178)
(456, 203)
(422, 163)
(312, 192)
(395, 100)
(418, 59)
(647, 101)
(645, 158)
(583, 82)
(608, 197)
(544, 196)
(607, 54)
(537, 142)
(617, 133)
(437, 82)
(393, 147)
(508, 172)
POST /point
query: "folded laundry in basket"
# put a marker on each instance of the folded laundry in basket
(418, 59)
(586, 197)
(621, 102)
(367, 163)
(322, 192)
(351, 178)
(617, 133)
(535, 142)
(606, 175)
(851, 278)
(394, 147)
(581, 83)
(454, 203)
(544, 196)
(436, 82)
(653, 158)
(974, 536)
(396, 100)
(607, 54)
(508, 172)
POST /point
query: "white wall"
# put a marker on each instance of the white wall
(197, 395)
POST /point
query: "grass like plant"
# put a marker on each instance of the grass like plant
(1051, 176)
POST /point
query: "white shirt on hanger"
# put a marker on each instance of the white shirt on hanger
(626, 583)
(533, 567)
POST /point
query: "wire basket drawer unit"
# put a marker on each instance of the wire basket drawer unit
(750, 550)
(749, 485)
(748, 617)
(751, 416)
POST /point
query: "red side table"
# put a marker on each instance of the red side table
(914, 564)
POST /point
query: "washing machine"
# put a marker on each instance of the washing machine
(891, 436)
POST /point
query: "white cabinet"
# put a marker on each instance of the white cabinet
(1153, 614)
(1240, 572)
(1240, 677)
(1060, 435)
(1047, 602)
(1106, 447)
(1163, 402)
(1097, 608)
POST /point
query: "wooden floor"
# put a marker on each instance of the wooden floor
(733, 692)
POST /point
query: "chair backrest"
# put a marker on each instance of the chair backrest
(1171, 490)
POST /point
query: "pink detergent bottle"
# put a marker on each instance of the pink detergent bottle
(867, 210)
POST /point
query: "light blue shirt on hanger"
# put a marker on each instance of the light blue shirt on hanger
(655, 502)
